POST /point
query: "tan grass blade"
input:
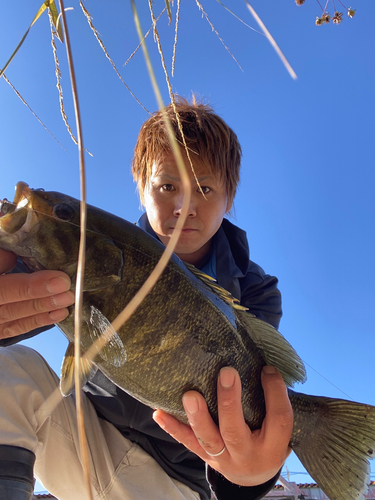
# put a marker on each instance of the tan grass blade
(37, 16)
(168, 5)
(55, 19)
(95, 31)
(271, 40)
(81, 265)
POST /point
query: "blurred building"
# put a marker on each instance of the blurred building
(43, 496)
(307, 491)
(284, 491)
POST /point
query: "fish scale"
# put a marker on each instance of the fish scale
(182, 334)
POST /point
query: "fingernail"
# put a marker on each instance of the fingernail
(57, 285)
(190, 404)
(63, 299)
(269, 370)
(227, 378)
(58, 315)
(158, 419)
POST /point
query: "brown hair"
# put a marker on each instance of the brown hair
(206, 134)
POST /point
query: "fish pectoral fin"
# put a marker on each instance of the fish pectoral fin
(275, 348)
(88, 370)
(113, 351)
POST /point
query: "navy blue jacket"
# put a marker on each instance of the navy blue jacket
(255, 290)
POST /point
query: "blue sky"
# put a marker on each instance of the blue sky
(306, 197)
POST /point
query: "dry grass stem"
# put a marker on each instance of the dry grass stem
(58, 84)
(81, 266)
(272, 41)
(58, 78)
(171, 95)
(243, 22)
(143, 39)
(95, 31)
(200, 6)
(36, 116)
(175, 36)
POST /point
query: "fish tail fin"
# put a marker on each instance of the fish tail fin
(334, 438)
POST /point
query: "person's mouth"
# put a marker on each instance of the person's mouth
(186, 230)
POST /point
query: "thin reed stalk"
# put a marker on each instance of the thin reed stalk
(81, 265)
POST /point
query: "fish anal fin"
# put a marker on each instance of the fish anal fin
(88, 370)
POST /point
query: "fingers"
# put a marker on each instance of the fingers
(180, 432)
(207, 433)
(278, 424)
(21, 286)
(244, 457)
(24, 325)
(29, 301)
(7, 261)
(233, 428)
(201, 436)
(13, 311)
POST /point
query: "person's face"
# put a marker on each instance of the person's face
(163, 199)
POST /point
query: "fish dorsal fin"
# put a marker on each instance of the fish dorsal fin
(215, 287)
(113, 352)
(275, 348)
(88, 370)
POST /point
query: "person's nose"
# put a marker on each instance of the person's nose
(192, 212)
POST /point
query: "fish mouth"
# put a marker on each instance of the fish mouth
(13, 215)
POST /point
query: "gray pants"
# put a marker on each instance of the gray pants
(119, 468)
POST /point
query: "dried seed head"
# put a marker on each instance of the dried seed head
(319, 21)
(326, 18)
(351, 12)
(300, 2)
(337, 18)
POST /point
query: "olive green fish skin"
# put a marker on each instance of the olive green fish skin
(182, 334)
(176, 318)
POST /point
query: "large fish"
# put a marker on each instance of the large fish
(183, 333)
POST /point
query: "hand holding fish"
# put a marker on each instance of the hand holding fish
(249, 457)
(29, 301)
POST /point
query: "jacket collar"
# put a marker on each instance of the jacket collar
(232, 253)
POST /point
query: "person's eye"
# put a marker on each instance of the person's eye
(167, 187)
(205, 189)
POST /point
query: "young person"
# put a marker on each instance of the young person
(136, 453)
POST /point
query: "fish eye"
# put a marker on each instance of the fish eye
(5, 206)
(63, 212)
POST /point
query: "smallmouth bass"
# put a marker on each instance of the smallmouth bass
(182, 334)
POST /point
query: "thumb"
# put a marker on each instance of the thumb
(7, 261)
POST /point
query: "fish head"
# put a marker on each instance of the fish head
(41, 227)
